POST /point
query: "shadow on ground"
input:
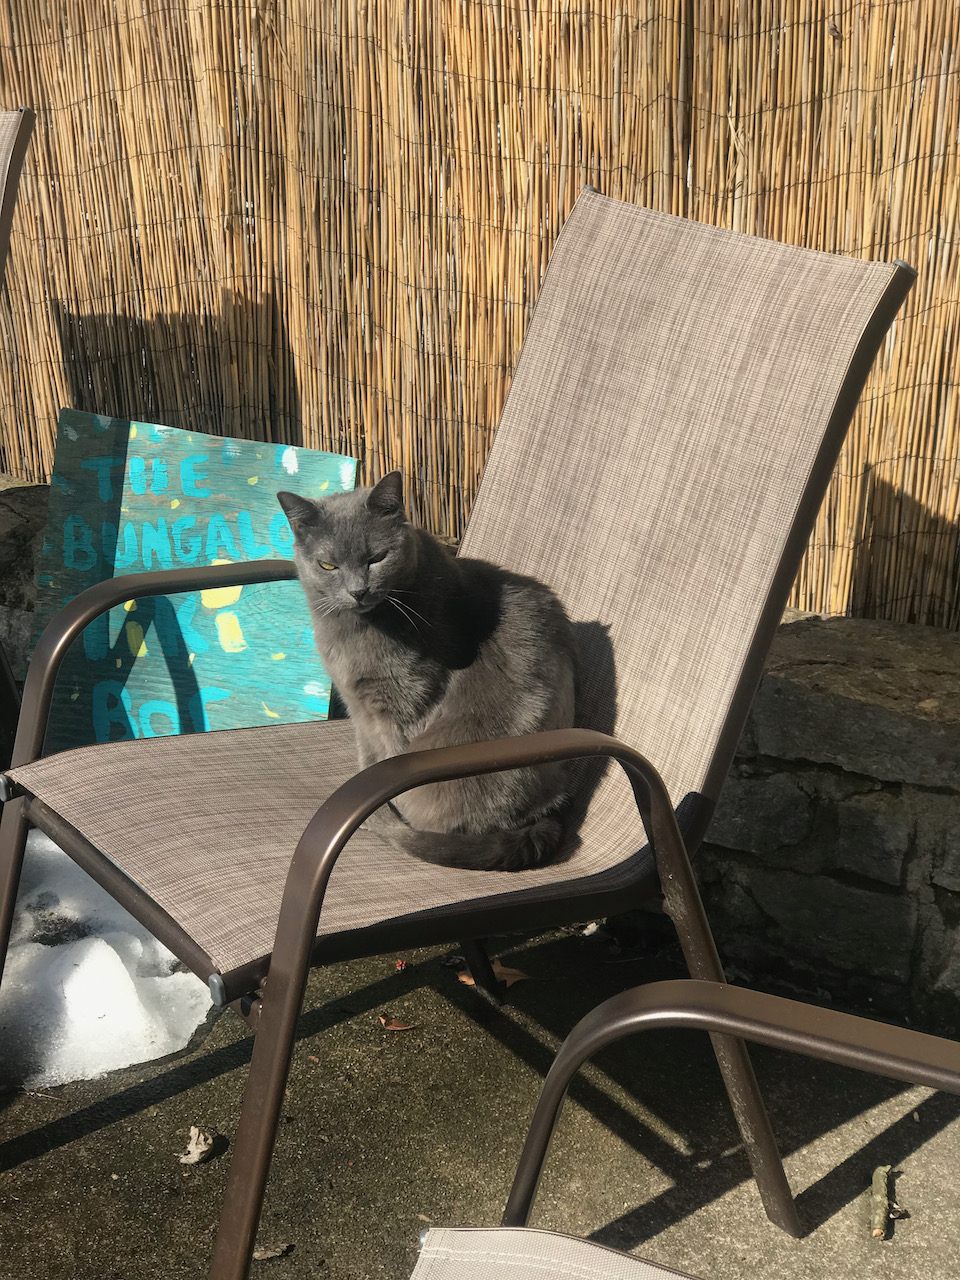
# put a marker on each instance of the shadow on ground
(387, 1131)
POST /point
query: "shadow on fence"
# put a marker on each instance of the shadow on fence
(231, 375)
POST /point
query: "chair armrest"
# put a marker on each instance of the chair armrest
(340, 816)
(877, 1047)
(65, 625)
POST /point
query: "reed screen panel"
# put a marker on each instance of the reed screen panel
(326, 223)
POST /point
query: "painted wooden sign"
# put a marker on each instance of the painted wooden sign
(130, 496)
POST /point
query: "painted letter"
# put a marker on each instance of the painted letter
(154, 542)
(219, 534)
(247, 539)
(126, 557)
(188, 556)
(78, 549)
(197, 706)
(112, 706)
(138, 476)
(157, 707)
(96, 639)
(103, 467)
(190, 474)
(192, 639)
(281, 535)
(158, 476)
(168, 632)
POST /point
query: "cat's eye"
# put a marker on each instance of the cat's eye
(328, 567)
(381, 555)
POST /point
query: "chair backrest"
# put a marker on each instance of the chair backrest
(678, 406)
(15, 130)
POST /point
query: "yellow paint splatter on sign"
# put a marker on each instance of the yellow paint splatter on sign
(220, 597)
(228, 630)
(274, 715)
(277, 656)
(135, 639)
(175, 503)
(253, 480)
(130, 605)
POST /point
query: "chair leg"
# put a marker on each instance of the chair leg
(13, 841)
(481, 970)
(257, 1129)
(9, 710)
(753, 1122)
(683, 904)
(739, 1078)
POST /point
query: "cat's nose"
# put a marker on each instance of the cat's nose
(359, 593)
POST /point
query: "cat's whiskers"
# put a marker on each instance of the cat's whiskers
(408, 607)
(320, 609)
(406, 612)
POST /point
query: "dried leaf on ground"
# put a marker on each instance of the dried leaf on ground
(500, 971)
(270, 1251)
(394, 1024)
(199, 1147)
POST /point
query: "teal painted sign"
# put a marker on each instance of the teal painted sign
(131, 496)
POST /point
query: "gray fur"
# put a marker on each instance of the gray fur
(428, 650)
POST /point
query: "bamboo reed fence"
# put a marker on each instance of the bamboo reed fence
(326, 223)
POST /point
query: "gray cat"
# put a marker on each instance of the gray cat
(428, 650)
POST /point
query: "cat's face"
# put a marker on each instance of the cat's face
(352, 549)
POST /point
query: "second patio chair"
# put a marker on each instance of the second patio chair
(678, 406)
(514, 1251)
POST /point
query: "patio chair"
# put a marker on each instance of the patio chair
(679, 403)
(513, 1250)
(15, 130)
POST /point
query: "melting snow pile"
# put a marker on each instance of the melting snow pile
(86, 988)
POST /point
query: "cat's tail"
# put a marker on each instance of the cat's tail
(531, 846)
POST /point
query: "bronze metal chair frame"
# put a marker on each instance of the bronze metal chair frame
(875, 1047)
(274, 1016)
(297, 947)
(9, 697)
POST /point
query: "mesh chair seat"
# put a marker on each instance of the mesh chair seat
(207, 824)
(515, 1253)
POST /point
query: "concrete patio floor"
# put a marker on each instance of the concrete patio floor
(387, 1131)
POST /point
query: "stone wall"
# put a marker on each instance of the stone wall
(833, 861)
(23, 513)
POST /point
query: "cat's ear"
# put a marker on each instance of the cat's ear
(299, 510)
(386, 497)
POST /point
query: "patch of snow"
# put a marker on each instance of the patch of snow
(87, 989)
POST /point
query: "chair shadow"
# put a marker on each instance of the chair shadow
(673, 1075)
(226, 375)
(807, 1099)
(907, 560)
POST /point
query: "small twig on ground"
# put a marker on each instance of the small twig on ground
(880, 1201)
